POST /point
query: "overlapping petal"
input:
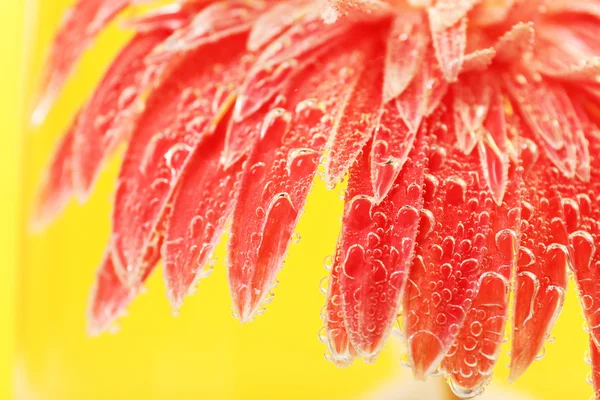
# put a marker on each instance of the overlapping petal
(178, 115)
(466, 128)
(452, 242)
(376, 249)
(78, 29)
(280, 171)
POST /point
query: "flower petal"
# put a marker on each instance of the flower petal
(455, 225)
(78, 29)
(338, 344)
(109, 116)
(582, 214)
(479, 60)
(280, 62)
(56, 187)
(213, 23)
(548, 111)
(572, 6)
(406, 46)
(473, 355)
(450, 46)
(275, 21)
(178, 115)
(541, 278)
(472, 97)
(515, 44)
(447, 13)
(203, 204)
(448, 22)
(424, 93)
(109, 297)
(355, 10)
(357, 120)
(280, 170)
(392, 143)
(494, 147)
(170, 17)
(377, 248)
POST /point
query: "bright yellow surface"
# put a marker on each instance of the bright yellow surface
(204, 353)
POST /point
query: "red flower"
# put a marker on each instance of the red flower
(467, 129)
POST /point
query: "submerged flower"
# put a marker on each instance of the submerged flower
(467, 130)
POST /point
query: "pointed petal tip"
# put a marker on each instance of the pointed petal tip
(518, 366)
(383, 178)
(41, 109)
(95, 328)
(245, 306)
(176, 297)
(515, 373)
(425, 350)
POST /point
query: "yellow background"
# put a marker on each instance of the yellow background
(205, 350)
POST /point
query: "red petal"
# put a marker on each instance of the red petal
(392, 143)
(516, 43)
(541, 278)
(376, 249)
(494, 147)
(56, 187)
(449, 34)
(473, 355)
(472, 97)
(276, 21)
(447, 13)
(355, 10)
(479, 60)
(424, 93)
(582, 213)
(491, 12)
(280, 62)
(110, 114)
(280, 170)
(406, 46)
(358, 118)
(109, 297)
(200, 210)
(215, 22)
(455, 225)
(170, 17)
(340, 349)
(178, 115)
(79, 28)
(548, 111)
(572, 6)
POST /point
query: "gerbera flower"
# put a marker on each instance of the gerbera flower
(467, 130)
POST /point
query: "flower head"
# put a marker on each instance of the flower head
(467, 130)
